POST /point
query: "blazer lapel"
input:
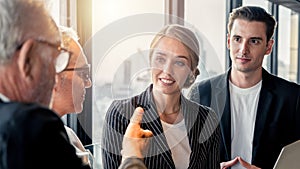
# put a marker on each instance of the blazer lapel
(190, 114)
(222, 106)
(225, 126)
(194, 126)
(151, 121)
(159, 143)
(264, 103)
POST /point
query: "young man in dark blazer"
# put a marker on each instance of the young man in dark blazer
(259, 112)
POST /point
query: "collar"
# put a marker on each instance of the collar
(4, 98)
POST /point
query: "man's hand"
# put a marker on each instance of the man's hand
(247, 165)
(136, 139)
(227, 164)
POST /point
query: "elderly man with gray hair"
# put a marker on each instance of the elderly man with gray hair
(31, 135)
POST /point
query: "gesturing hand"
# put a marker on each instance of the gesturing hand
(246, 165)
(225, 165)
(233, 162)
(136, 139)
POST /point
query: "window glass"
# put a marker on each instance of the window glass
(294, 46)
(54, 10)
(263, 4)
(209, 19)
(287, 47)
(122, 32)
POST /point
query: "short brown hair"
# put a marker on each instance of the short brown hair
(253, 13)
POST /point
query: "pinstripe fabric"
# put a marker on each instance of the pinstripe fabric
(201, 123)
(132, 163)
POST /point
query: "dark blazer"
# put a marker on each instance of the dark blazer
(33, 137)
(277, 120)
(202, 127)
(132, 163)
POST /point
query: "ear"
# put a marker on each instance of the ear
(25, 60)
(269, 46)
(196, 72)
(228, 41)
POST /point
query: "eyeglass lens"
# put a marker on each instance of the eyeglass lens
(62, 61)
(82, 72)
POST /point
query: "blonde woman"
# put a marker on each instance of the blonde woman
(185, 134)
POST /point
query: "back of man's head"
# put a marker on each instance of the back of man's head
(24, 24)
(16, 24)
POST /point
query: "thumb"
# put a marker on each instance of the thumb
(147, 133)
(244, 163)
(137, 116)
(229, 163)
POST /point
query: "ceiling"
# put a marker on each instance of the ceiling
(292, 4)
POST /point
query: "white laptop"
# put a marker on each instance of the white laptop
(289, 157)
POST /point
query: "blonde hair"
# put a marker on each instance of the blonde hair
(190, 42)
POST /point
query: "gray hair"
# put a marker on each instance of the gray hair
(67, 35)
(15, 25)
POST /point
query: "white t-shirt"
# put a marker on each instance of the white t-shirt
(177, 139)
(243, 102)
(4, 98)
(80, 150)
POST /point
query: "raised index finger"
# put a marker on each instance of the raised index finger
(137, 116)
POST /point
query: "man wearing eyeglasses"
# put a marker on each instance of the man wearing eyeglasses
(70, 88)
(31, 136)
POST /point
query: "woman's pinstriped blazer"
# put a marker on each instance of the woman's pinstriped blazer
(201, 123)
